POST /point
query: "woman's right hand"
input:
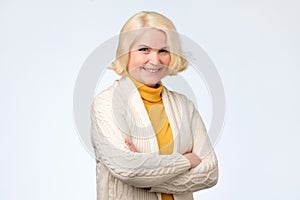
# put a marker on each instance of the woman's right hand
(130, 145)
(193, 158)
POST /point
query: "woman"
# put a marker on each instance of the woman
(150, 142)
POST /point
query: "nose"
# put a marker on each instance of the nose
(154, 58)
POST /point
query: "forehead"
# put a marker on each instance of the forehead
(153, 38)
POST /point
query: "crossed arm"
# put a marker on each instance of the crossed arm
(142, 170)
(174, 173)
(192, 157)
(203, 172)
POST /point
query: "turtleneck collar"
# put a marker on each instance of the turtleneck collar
(149, 94)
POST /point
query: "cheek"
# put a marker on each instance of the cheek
(135, 60)
(166, 59)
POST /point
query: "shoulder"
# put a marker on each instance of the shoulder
(105, 96)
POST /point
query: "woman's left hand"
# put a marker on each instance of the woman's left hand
(130, 145)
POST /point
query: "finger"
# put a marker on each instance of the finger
(127, 141)
(132, 149)
(130, 146)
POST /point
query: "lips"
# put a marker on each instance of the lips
(152, 70)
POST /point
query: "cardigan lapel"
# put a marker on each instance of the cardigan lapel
(169, 104)
(136, 116)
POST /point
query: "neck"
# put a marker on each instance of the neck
(148, 93)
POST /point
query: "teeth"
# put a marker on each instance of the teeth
(151, 70)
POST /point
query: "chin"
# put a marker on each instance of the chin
(151, 83)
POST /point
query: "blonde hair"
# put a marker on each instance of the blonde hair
(134, 27)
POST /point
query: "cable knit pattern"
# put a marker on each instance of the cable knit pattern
(119, 112)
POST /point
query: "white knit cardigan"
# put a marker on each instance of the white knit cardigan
(119, 112)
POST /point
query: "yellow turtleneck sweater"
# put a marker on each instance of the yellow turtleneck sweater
(152, 99)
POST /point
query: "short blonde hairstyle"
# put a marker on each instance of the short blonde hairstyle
(134, 27)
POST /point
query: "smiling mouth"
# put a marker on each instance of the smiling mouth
(152, 70)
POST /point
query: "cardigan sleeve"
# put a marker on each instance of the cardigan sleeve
(205, 175)
(137, 169)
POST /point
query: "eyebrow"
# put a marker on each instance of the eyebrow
(144, 45)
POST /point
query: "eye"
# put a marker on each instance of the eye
(163, 51)
(144, 49)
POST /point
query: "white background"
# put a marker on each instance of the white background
(254, 44)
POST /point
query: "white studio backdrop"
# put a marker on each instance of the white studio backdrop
(255, 46)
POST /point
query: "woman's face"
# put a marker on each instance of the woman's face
(149, 57)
